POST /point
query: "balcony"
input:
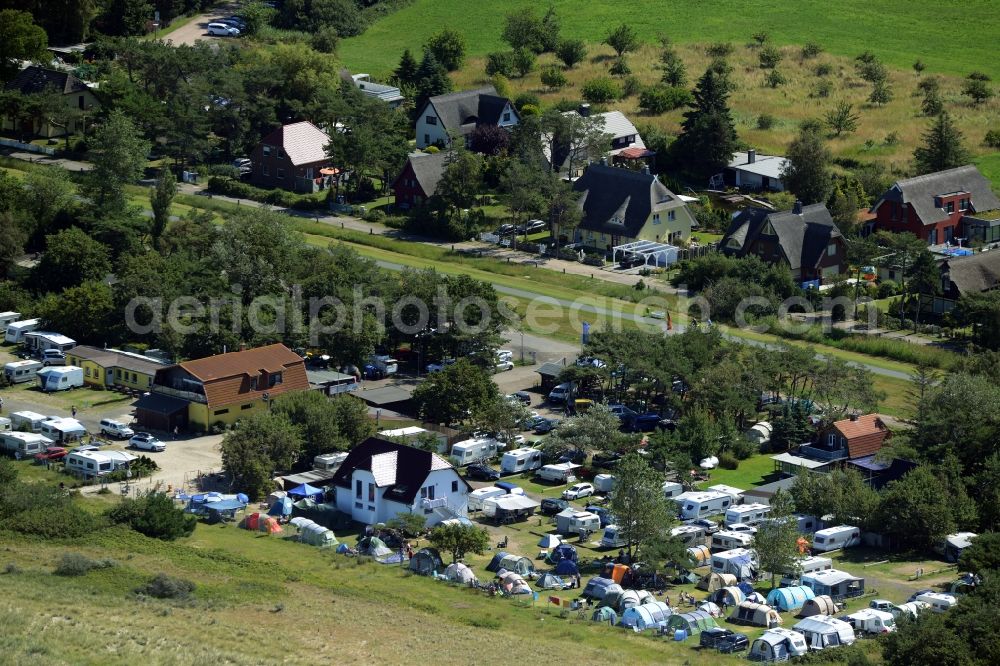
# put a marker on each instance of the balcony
(177, 393)
(822, 453)
(433, 503)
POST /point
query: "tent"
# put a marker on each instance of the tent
(605, 614)
(700, 555)
(494, 565)
(821, 631)
(631, 598)
(426, 561)
(647, 616)
(746, 588)
(597, 587)
(550, 541)
(550, 582)
(304, 504)
(251, 522)
(262, 523)
(567, 568)
(275, 496)
(562, 552)
(514, 583)
(777, 645)
(373, 546)
(711, 608)
(714, 581)
(728, 596)
(693, 623)
(307, 491)
(789, 598)
(515, 563)
(615, 572)
(685, 578)
(756, 597)
(460, 573)
(313, 533)
(326, 514)
(758, 615)
(221, 510)
(281, 507)
(821, 605)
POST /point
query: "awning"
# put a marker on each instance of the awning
(515, 502)
(635, 153)
(224, 505)
(799, 461)
(161, 404)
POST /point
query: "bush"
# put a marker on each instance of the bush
(824, 88)
(522, 62)
(154, 515)
(325, 40)
(525, 99)
(500, 62)
(552, 77)
(631, 86)
(601, 90)
(719, 50)
(775, 78)
(769, 57)
(620, 68)
(12, 569)
(992, 139)
(660, 99)
(75, 564)
(163, 586)
(887, 288)
(824, 69)
(765, 121)
(811, 50)
(728, 461)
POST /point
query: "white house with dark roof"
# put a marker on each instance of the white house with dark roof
(622, 206)
(461, 113)
(76, 96)
(624, 142)
(749, 170)
(381, 479)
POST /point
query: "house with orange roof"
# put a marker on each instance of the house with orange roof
(219, 390)
(848, 439)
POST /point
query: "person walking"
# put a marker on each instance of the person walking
(73, 410)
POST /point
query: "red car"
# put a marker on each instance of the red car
(51, 453)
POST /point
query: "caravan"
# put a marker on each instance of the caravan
(702, 504)
(91, 463)
(478, 496)
(7, 318)
(474, 450)
(60, 378)
(520, 460)
(938, 602)
(740, 562)
(41, 341)
(778, 644)
(689, 535)
(23, 444)
(16, 330)
(806, 566)
(735, 493)
(611, 538)
(18, 372)
(672, 489)
(835, 538)
(822, 631)
(558, 472)
(386, 364)
(724, 540)
(747, 514)
(28, 421)
(871, 621)
(63, 431)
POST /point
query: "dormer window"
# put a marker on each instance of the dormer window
(950, 207)
(274, 379)
(253, 383)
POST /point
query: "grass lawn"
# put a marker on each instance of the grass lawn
(846, 28)
(753, 471)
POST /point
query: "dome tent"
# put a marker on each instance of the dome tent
(728, 596)
(281, 507)
(314, 534)
(711, 608)
(567, 568)
(426, 561)
(517, 564)
(563, 551)
(638, 618)
(631, 598)
(460, 573)
(550, 541)
(715, 581)
(550, 581)
(700, 555)
(514, 583)
(605, 614)
(821, 605)
(374, 547)
(789, 598)
(597, 587)
(759, 615)
(693, 623)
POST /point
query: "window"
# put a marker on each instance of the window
(280, 174)
(506, 117)
(274, 379)
(249, 405)
(950, 207)
(357, 490)
(831, 250)
(431, 120)
(220, 412)
(79, 102)
(265, 170)
(371, 492)
(281, 154)
(427, 139)
(90, 465)
(671, 215)
(831, 440)
(267, 150)
(656, 218)
(963, 204)
(253, 383)
(454, 486)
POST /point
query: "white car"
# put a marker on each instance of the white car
(741, 529)
(577, 491)
(503, 366)
(438, 367)
(113, 428)
(146, 442)
(222, 30)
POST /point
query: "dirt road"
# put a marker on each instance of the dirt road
(194, 29)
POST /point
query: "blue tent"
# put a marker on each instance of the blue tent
(745, 588)
(563, 551)
(567, 568)
(789, 598)
(305, 490)
(281, 507)
(494, 564)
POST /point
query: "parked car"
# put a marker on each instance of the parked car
(645, 422)
(505, 230)
(531, 227)
(515, 441)
(544, 425)
(723, 640)
(573, 456)
(631, 260)
(622, 412)
(589, 362)
(521, 396)
(222, 30)
(51, 454)
(113, 428)
(52, 357)
(481, 472)
(606, 458)
(882, 605)
(530, 422)
(438, 367)
(551, 506)
(742, 529)
(503, 366)
(578, 491)
(146, 442)
(710, 526)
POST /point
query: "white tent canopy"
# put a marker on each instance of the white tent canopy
(657, 254)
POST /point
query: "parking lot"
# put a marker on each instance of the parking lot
(195, 28)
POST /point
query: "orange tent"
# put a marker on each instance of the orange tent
(252, 521)
(269, 525)
(618, 572)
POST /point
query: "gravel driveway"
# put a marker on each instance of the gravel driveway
(194, 29)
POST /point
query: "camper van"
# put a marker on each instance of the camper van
(92, 463)
(778, 644)
(329, 462)
(807, 565)
(938, 602)
(480, 495)
(725, 540)
(747, 514)
(835, 538)
(520, 460)
(689, 535)
(822, 632)
(558, 472)
(611, 538)
(560, 394)
(29, 421)
(40, 341)
(735, 493)
(7, 318)
(63, 431)
(583, 523)
(871, 621)
(385, 363)
(23, 443)
(60, 378)
(18, 372)
(604, 483)
(702, 504)
(672, 489)
(474, 450)
(16, 330)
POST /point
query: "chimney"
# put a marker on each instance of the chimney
(584, 110)
(751, 156)
(854, 416)
(797, 208)
(243, 346)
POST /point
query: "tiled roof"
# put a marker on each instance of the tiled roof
(864, 436)
(35, 79)
(226, 377)
(112, 358)
(303, 142)
(919, 192)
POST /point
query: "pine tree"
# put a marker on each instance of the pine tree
(431, 79)
(406, 71)
(708, 136)
(943, 147)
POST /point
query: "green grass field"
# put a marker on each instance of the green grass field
(900, 31)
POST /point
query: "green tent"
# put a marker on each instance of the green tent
(694, 622)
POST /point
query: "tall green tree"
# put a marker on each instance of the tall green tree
(708, 134)
(571, 52)
(447, 396)
(449, 47)
(642, 513)
(597, 429)
(406, 70)
(775, 540)
(431, 79)
(71, 257)
(841, 493)
(943, 147)
(623, 39)
(462, 180)
(256, 448)
(119, 160)
(807, 171)
(925, 280)
(317, 424)
(20, 39)
(160, 199)
(457, 540)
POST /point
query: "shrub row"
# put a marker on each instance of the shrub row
(235, 188)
